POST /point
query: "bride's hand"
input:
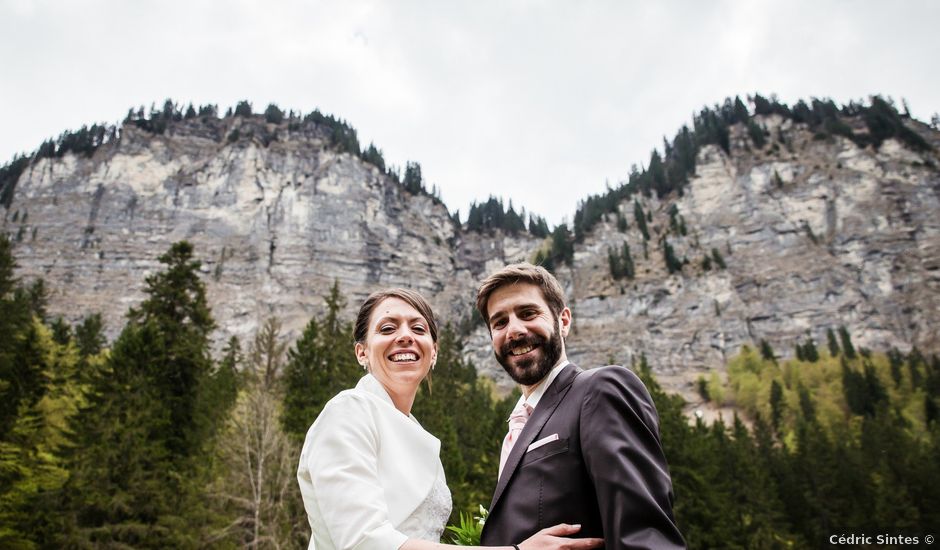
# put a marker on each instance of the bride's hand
(553, 538)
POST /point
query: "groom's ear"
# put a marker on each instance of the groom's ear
(564, 322)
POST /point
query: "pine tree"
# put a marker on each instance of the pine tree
(32, 468)
(320, 365)
(88, 335)
(767, 352)
(669, 255)
(719, 260)
(138, 467)
(413, 181)
(809, 350)
(832, 342)
(273, 114)
(776, 404)
(640, 218)
(23, 381)
(757, 134)
(243, 109)
(629, 269)
(847, 346)
(373, 156)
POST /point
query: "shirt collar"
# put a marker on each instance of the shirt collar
(536, 395)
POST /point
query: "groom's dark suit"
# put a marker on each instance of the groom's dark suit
(605, 471)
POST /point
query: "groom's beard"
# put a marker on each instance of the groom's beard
(531, 370)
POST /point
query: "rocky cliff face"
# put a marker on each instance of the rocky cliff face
(814, 233)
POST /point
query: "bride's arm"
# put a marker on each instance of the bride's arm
(551, 538)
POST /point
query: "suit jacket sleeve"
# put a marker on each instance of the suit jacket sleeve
(342, 457)
(624, 458)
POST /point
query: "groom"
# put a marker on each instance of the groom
(583, 445)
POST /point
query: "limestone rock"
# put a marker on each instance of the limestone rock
(815, 234)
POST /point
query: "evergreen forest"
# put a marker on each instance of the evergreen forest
(152, 440)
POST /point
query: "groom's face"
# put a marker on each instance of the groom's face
(527, 335)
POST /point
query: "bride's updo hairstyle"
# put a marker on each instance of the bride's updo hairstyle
(410, 297)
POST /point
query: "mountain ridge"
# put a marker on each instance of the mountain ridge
(278, 210)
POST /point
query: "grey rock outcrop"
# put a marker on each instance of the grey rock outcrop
(815, 234)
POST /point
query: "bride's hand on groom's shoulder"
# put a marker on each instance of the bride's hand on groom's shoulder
(554, 537)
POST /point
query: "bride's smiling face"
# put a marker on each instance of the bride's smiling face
(398, 348)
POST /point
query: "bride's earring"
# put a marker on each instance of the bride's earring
(365, 364)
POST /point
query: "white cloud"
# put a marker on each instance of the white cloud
(541, 102)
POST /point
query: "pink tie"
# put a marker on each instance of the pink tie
(517, 421)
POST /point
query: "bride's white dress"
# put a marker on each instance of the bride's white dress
(428, 520)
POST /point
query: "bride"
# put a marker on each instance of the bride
(370, 475)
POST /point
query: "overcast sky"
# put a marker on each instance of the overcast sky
(543, 102)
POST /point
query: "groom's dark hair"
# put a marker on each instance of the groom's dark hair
(523, 272)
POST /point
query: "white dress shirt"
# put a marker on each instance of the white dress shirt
(539, 391)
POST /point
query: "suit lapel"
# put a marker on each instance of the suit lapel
(540, 416)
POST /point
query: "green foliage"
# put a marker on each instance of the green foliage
(832, 343)
(243, 109)
(719, 259)
(413, 182)
(88, 335)
(815, 468)
(114, 449)
(257, 458)
(807, 351)
(884, 122)
(538, 227)
(701, 386)
(669, 171)
(32, 470)
(61, 331)
(319, 365)
(469, 528)
(756, 133)
(767, 352)
(373, 156)
(673, 264)
(726, 494)
(22, 382)
(621, 262)
(344, 138)
(273, 114)
(9, 175)
(776, 404)
(706, 263)
(640, 218)
(621, 222)
(150, 401)
(847, 348)
(492, 215)
(676, 221)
